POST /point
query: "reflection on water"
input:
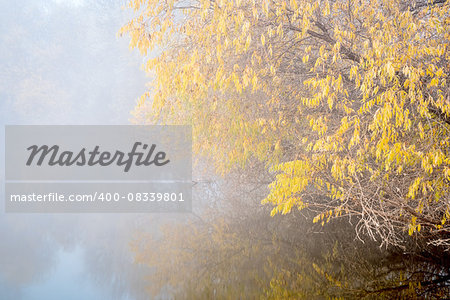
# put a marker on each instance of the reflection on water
(62, 254)
(233, 249)
(67, 280)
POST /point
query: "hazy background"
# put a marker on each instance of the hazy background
(61, 62)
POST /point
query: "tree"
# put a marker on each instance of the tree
(346, 101)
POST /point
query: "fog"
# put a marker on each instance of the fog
(61, 62)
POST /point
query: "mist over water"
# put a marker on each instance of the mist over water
(61, 62)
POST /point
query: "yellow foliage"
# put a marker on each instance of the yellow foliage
(349, 95)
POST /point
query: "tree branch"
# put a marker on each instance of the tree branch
(325, 37)
(419, 5)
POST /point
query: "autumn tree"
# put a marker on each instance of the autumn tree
(347, 102)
